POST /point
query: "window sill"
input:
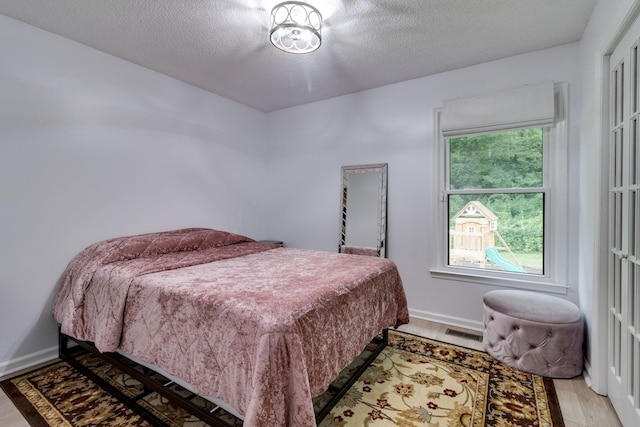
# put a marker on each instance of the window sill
(510, 282)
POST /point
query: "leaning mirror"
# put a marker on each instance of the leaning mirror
(364, 210)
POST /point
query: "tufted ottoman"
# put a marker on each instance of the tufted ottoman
(533, 332)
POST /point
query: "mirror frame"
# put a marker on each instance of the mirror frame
(381, 169)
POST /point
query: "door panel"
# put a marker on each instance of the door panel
(623, 378)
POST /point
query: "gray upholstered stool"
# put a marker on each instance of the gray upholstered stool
(533, 332)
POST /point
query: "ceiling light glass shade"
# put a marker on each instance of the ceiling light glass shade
(295, 27)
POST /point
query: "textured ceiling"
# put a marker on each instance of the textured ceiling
(223, 45)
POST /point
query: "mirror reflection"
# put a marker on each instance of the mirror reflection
(364, 210)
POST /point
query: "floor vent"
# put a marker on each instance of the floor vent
(464, 335)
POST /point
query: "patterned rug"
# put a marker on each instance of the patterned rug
(414, 382)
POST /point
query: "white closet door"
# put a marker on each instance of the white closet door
(623, 379)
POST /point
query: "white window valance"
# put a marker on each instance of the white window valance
(526, 106)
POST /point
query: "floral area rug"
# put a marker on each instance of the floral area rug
(421, 382)
(415, 381)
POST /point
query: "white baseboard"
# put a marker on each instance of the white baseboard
(28, 361)
(447, 320)
(586, 373)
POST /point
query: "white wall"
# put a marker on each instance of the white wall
(592, 264)
(394, 124)
(93, 147)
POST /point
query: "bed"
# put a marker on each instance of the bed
(259, 326)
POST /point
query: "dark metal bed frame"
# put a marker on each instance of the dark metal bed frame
(70, 349)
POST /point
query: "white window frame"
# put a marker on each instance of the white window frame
(555, 186)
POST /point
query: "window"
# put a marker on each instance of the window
(503, 188)
(495, 197)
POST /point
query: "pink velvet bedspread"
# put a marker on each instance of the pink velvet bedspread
(262, 327)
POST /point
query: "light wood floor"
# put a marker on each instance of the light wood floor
(580, 406)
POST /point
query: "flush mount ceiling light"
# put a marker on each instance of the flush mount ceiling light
(295, 27)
